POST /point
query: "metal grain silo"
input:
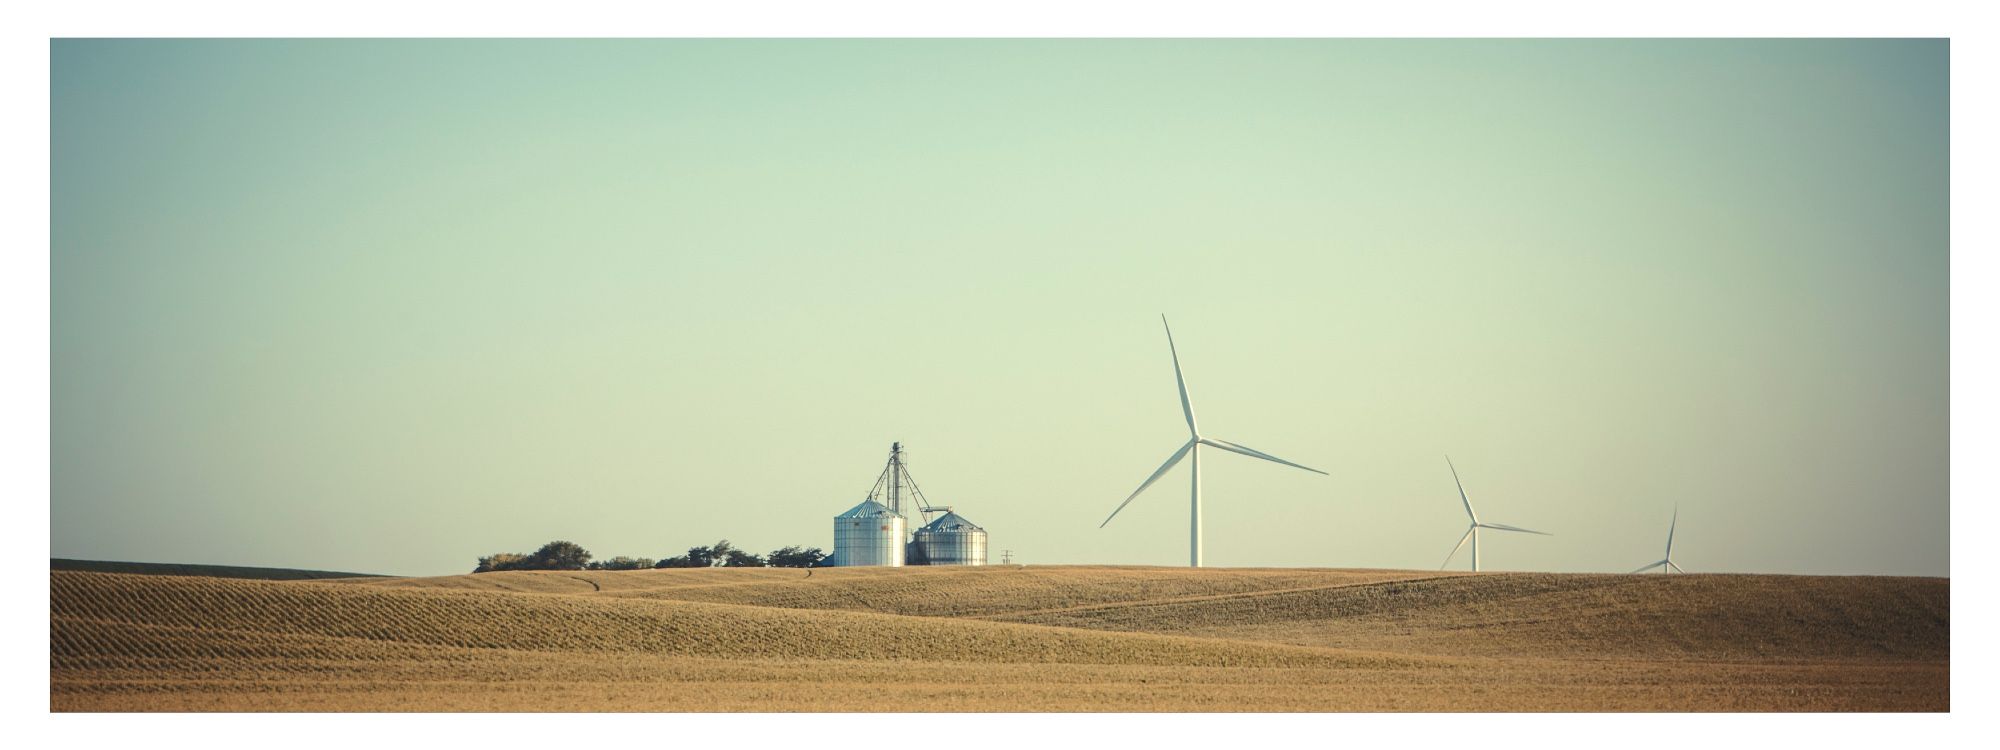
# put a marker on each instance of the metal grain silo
(951, 540)
(869, 534)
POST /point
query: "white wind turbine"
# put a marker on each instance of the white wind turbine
(1473, 532)
(1192, 451)
(1668, 563)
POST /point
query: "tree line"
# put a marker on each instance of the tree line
(561, 555)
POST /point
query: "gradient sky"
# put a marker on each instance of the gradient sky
(389, 306)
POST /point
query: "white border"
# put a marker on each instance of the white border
(27, 325)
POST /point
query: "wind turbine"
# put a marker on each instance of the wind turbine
(1473, 532)
(1668, 563)
(1192, 452)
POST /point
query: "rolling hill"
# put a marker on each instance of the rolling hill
(999, 639)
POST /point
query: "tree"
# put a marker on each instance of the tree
(622, 562)
(560, 556)
(737, 558)
(501, 561)
(796, 557)
(721, 554)
(711, 556)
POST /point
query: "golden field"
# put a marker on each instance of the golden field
(1000, 638)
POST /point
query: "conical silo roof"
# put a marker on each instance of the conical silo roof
(951, 521)
(867, 509)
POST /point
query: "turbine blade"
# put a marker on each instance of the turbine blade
(1670, 532)
(1178, 455)
(1461, 490)
(1677, 568)
(1505, 527)
(1253, 453)
(1454, 550)
(1187, 407)
(1650, 567)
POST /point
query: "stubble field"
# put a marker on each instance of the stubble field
(1000, 638)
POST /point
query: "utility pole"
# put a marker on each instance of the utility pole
(1006, 557)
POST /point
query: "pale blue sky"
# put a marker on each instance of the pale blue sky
(392, 305)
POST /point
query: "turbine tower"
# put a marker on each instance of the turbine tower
(1192, 451)
(1473, 532)
(1668, 563)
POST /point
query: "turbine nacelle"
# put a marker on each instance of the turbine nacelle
(1664, 566)
(1667, 563)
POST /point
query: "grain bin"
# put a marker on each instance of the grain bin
(869, 534)
(951, 540)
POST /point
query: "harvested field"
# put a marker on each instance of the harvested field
(1000, 639)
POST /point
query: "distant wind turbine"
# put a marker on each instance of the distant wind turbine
(1667, 563)
(1473, 532)
(1192, 452)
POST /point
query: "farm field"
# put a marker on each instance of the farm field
(1000, 638)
